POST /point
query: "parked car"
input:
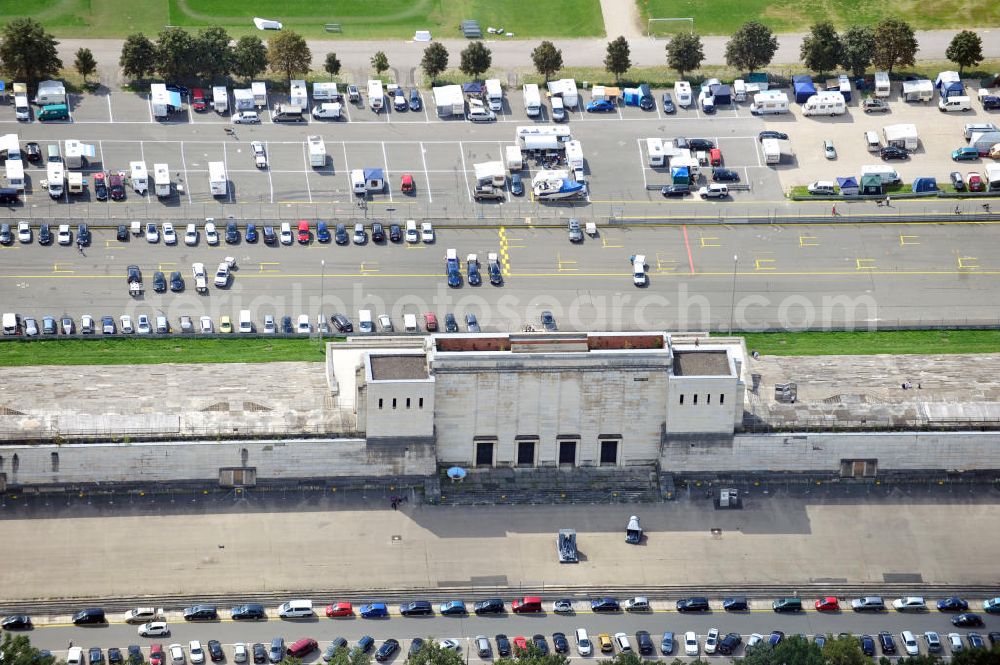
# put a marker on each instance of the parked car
(668, 103)
(601, 106)
(958, 182)
(874, 105)
(966, 154)
(893, 152)
(693, 604)
(772, 134)
(829, 151)
(725, 175)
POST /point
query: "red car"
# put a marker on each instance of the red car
(974, 182)
(431, 322)
(198, 102)
(156, 654)
(339, 610)
(406, 184)
(116, 185)
(715, 156)
(520, 642)
(303, 232)
(828, 604)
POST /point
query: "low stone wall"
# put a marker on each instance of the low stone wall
(914, 451)
(136, 463)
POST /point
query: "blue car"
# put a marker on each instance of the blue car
(373, 611)
(322, 232)
(953, 604)
(604, 605)
(475, 277)
(966, 154)
(601, 106)
(516, 184)
(452, 607)
(251, 235)
(992, 606)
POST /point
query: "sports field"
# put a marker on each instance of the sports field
(359, 20)
(719, 17)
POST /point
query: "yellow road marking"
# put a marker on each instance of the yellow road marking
(268, 267)
(665, 265)
(66, 268)
(808, 241)
(866, 264)
(159, 266)
(764, 264)
(503, 254)
(908, 240)
(709, 241)
(606, 244)
(564, 265)
(968, 263)
(369, 266)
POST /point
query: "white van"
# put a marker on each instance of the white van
(412, 235)
(410, 323)
(358, 184)
(365, 324)
(887, 174)
(293, 609)
(872, 141)
(246, 326)
(961, 103)
(9, 323)
(639, 270)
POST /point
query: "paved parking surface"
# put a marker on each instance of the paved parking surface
(440, 154)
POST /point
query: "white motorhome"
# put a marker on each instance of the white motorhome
(220, 99)
(139, 177)
(298, 94)
(218, 182)
(560, 133)
(317, 151)
(882, 86)
(888, 175)
(682, 94)
(55, 179)
(15, 174)
(376, 96)
(494, 94)
(259, 91)
(825, 103)
(161, 180)
(532, 100)
(50, 92)
(769, 102)
(654, 148)
(325, 91)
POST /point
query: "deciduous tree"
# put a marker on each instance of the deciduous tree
(249, 57)
(332, 64)
(685, 53)
(215, 55)
(895, 44)
(85, 63)
(965, 50)
(176, 55)
(435, 60)
(547, 58)
(618, 58)
(28, 52)
(821, 49)
(476, 59)
(751, 47)
(138, 58)
(431, 653)
(288, 54)
(380, 62)
(857, 48)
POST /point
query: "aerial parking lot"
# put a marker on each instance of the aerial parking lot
(440, 154)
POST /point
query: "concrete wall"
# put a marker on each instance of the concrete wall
(139, 462)
(393, 417)
(548, 404)
(709, 404)
(824, 452)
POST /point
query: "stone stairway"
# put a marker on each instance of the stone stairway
(553, 486)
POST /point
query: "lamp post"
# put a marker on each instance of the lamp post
(732, 302)
(322, 292)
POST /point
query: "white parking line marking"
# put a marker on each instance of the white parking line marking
(270, 183)
(111, 116)
(225, 163)
(149, 103)
(347, 169)
(461, 152)
(142, 154)
(385, 159)
(503, 159)
(187, 183)
(305, 163)
(642, 165)
(427, 178)
(344, 104)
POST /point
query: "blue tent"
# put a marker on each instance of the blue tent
(952, 89)
(848, 186)
(925, 185)
(804, 88)
(723, 94)
(472, 88)
(679, 175)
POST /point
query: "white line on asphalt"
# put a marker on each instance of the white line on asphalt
(347, 169)
(642, 165)
(427, 178)
(187, 183)
(270, 183)
(423, 107)
(461, 152)
(756, 151)
(388, 183)
(142, 154)
(149, 103)
(506, 190)
(305, 163)
(111, 116)
(225, 164)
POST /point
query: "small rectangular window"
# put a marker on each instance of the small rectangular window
(407, 402)
(380, 402)
(682, 398)
(695, 399)
(394, 402)
(708, 398)
(420, 403)
(722, 398)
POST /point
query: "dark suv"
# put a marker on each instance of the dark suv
(416, 608)
(249, 611)
(700, 144)
(893, 152)
(644, 641)
(490, 605)
(729, 643)
(215, 651)
(695, 604)
(886, 642)
(342, 323)
(201, 613)
(91, 615)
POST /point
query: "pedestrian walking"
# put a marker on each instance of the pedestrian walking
(834, 210)
(888, 201)
(986, 207)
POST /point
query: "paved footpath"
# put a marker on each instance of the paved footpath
(188, 544)
(509, 55)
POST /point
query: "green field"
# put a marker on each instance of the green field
(135, 351)
(397, 19)
(712, 17)
(895, 342)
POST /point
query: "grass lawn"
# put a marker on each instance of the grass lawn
(712, 17)
(396, 19)
(894, 342)
(134, 351)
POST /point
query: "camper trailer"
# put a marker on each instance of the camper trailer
(139, 177)
(74, 183)
(682, 94)
(739, 90)
(574, 154)
(886, 174)
(325, 91)
(918, 91)
(259, 91)
(772, 151)
(532, 100)
(217, 180)
(55, 179)
(515, 160)
(825, 103)
(162, 101)
(220, 99)
(78, 153)
(161, 180)
(376, 96)
(654, 148)
(298, 94)
(449, 100)
(243, 100)
(317, 151)
(882, 88)
(566, 89)
(902, 136)
(15, 174)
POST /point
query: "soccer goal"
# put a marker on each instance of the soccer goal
(665, 28)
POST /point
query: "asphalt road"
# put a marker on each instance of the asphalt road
(784, 276)
(57, 637)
